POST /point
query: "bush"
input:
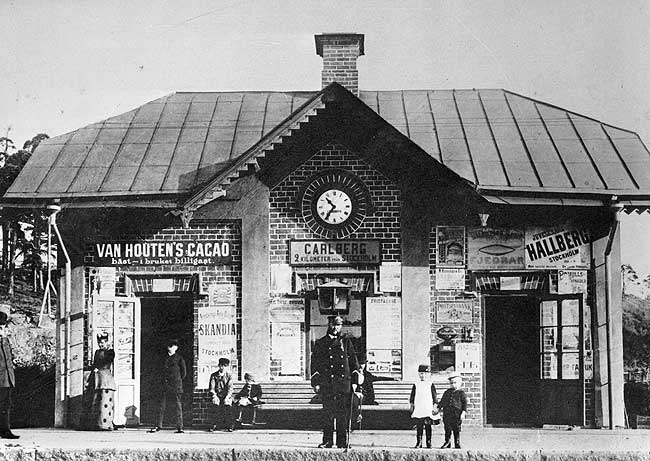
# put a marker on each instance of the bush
(637, 398)
(32, 346)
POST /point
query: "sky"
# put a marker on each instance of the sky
(70, 63)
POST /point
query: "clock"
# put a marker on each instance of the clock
(334, 203)
(334, 206)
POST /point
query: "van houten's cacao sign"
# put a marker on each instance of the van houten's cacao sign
(162, 253)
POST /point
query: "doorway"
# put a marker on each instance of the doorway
(165, 318)
(511, 361)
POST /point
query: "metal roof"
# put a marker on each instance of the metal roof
(496, 139)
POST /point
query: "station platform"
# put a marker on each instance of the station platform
(496, 444)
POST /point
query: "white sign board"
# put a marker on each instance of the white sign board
(390, 277)
(468, 357)
(285, 347)
(384, 334)
(448, 278)
(217, 331)
(561, 247)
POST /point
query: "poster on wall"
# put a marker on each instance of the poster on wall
(454, 311)
(572, 281)
(562, 247)
(384, 335)
(285, 347)
(468, 357)
(450, 278)
(222, 294)
(281, 275)
(495, 248)
(450, 246)
(217, 337)
(390, 277)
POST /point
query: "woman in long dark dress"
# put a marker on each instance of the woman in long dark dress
(102, 386)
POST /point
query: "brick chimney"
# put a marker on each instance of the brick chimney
(340, 52)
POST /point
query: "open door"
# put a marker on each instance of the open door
(561, 357)
(120, 318)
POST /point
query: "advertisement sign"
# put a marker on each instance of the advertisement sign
(390, 277)
(571, 281)
(468, 357)
(334, 252)
(222, 294)
(450, 278)
(384, 334)
(217, 331)
(281, 275)
(450, 246)
(285, 347)
(454, 311)
(492, 248)
(162, 253)
(287, 310)
(562, 247)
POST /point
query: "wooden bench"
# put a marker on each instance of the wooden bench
(295, 404)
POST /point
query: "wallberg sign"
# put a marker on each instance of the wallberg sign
(168, 252)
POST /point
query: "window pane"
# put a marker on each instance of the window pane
(549, 366)
(549, 340)
(549, 313)
(125, 313)
(570, 338)
(570, 310)
(124, 367)
(125, 340)
(570, 366)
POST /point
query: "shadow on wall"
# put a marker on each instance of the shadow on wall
(33, 398)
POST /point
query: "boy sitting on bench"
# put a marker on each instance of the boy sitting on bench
(249, 396)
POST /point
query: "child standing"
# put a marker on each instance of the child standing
(221, 392)
(423, 404)
(453, 405)
(249, 396)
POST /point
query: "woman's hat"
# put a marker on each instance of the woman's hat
(423, 368)
(103, 336)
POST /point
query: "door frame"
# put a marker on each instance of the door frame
(120, 381)
(485, 296)
(581, 346)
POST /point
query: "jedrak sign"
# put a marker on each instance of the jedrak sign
(168, 252)
(558, 248)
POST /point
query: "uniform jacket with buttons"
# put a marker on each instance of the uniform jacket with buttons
(334, 365)
(7, 377)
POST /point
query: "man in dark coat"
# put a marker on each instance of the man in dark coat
(334, 368)
(7, 379)
(173, 374)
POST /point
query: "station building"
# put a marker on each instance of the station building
(473, 230)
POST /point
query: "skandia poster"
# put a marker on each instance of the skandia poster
(561, 247)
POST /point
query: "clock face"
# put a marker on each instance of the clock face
(334, 203)
(334, 206)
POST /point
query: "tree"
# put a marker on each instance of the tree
(19, 237)
(628, 274)
(636, 336)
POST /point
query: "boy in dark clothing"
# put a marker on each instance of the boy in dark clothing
(173, 373)
(250, 396)
(453, 405)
